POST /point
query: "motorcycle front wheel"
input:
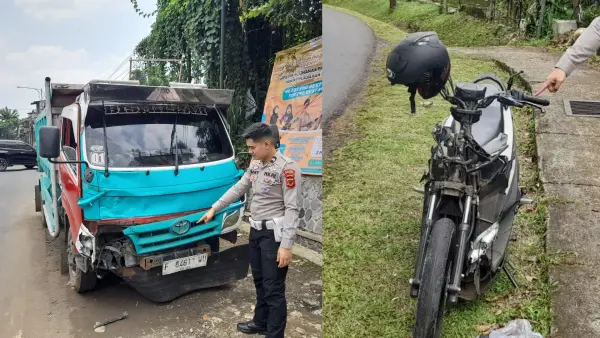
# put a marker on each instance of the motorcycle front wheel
(433, 289)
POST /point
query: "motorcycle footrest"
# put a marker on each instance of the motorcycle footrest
(524, 201)
(414, 287)
(453, 292)
(420, 190)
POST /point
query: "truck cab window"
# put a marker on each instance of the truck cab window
(69, 142)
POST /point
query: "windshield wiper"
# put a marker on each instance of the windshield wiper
(105, 141)
(174, 139)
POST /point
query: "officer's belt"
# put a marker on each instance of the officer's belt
(259, 225)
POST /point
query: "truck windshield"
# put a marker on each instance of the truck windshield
(152, 139)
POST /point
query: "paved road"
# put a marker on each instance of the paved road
(348, 44)
(35, 301)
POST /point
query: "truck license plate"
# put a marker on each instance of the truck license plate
(185, 263)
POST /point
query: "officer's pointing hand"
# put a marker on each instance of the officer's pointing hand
(210, 214)
(553, 81)
(284, 257)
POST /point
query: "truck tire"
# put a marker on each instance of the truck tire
(3, 164)
(44, 224)
(79, 280)
(64, 253)
(38, 198)
(432, 292)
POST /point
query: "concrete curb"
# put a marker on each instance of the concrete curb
(298, 250)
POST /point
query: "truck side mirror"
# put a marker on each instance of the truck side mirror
(49, 142)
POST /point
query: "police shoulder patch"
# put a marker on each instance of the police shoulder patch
(290, 178)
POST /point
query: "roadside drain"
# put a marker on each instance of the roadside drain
(582, 108)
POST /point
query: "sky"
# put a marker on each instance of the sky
(72, 41)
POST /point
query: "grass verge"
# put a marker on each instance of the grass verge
(457, 30)
(373, 217)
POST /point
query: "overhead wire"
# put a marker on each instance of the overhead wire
(118, 68)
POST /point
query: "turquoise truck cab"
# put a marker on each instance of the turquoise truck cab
(126, 173)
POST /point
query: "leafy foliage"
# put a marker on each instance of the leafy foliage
(255, 30)
(589, 13)
(9, 120)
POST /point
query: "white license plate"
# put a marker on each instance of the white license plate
(185, 263)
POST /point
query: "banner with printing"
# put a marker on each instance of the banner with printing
(294, 102)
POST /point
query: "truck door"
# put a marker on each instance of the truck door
(69, 172)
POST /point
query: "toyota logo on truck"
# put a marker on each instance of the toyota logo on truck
(180, 227)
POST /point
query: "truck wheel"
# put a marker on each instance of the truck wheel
(38, 198)
(44, 224)
(3, 164)
(64, 253)
(79, 280)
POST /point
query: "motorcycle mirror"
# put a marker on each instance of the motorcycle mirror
(511, 79)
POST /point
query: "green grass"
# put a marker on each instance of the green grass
(373, 217)
(454, 29)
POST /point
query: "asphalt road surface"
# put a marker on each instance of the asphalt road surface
(36, 302)
(348, 44)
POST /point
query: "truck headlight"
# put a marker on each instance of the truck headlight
(231, 221)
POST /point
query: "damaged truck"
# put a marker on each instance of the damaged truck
(126, 171)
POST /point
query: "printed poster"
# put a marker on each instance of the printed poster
(294, 102)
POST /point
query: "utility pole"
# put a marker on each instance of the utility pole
(40, 92)
(130, 66)
(222, 43)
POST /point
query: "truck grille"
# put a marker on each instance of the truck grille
(147, 238)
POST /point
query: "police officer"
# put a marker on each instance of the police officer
(276, 184)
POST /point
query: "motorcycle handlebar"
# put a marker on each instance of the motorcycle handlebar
(536, 100)
(521, 96)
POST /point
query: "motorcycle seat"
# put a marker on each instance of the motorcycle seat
(491, 122)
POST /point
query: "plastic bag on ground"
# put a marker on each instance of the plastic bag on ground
(519, 328)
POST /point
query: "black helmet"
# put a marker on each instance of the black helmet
(420, 62)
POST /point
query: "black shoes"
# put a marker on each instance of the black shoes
(250, 328)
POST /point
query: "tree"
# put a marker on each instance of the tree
(8, 115)
(9, 121)
(254, 31)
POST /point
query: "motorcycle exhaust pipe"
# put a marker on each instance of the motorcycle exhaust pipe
(463, 232)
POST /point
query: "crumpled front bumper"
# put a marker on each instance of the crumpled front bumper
(222, 268)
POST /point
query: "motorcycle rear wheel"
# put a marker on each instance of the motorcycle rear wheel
(434, 279)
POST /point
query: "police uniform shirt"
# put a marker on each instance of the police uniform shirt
(276, 188)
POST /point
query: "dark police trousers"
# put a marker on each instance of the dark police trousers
(269, 280)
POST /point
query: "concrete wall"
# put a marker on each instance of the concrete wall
(311, 211)
(311, 214)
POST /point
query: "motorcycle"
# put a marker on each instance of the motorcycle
(471, 196)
